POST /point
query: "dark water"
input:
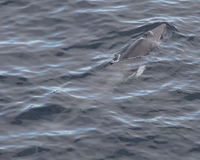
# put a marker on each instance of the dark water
(49, 112)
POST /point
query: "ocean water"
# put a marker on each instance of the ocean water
(51, 109)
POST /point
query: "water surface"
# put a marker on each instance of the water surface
(50, 111)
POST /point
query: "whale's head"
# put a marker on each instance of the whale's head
(156, 34)
(144, 44)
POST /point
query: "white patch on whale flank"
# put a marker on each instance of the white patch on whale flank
(140, 70)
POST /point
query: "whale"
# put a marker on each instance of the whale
(141, 47)
(144, 45)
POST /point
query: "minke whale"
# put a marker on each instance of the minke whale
(144, 45)
(141, 47)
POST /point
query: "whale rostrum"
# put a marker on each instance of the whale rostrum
(143, 45)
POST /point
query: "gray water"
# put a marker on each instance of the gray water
(50, 110)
